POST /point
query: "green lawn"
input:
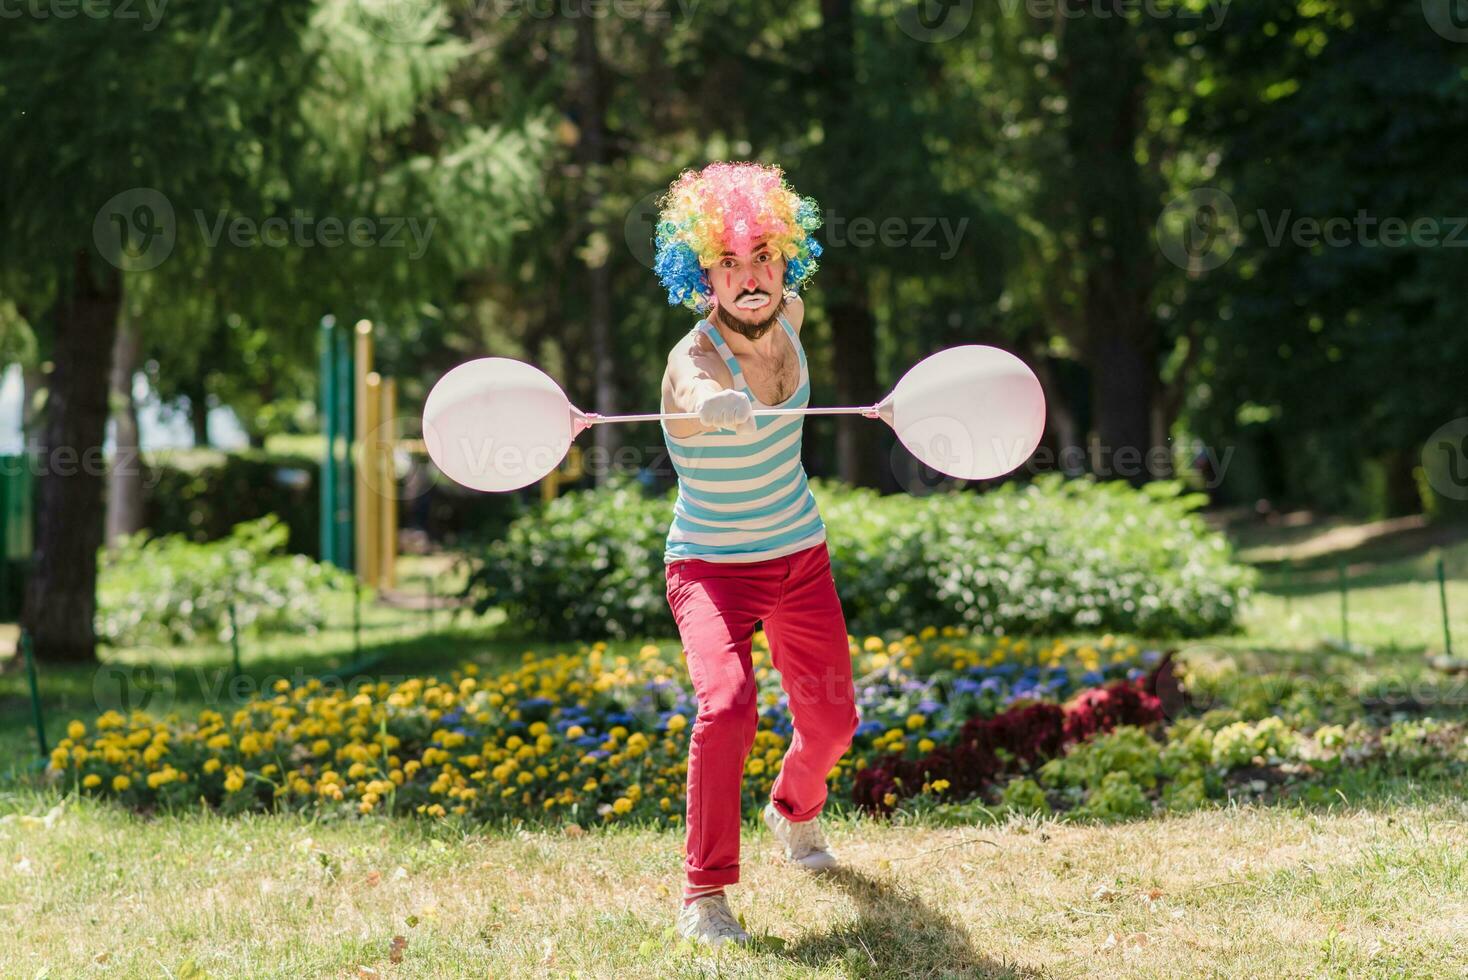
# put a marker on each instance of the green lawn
(1373, 882)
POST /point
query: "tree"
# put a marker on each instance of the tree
(272, 110)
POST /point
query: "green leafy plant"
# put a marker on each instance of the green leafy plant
(1051, 556)
(172, 590)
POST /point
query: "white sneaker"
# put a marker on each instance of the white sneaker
(804, 843)
(708, 920)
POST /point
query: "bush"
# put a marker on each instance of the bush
(205, 501)
(205, 495)
(172, 590)
(1050, 557)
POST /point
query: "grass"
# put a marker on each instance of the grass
(1373, 889)
(1373, 884)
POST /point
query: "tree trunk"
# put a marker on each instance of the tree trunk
(1125, 377)
(1105, 86)
(199, 412)
(125, 478)
(854, 343)
(853, 324)
(61, 594)
(591, 152)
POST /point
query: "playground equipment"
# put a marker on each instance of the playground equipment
(359, 501)
(16, 532)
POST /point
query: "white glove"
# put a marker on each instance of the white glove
(727, 409)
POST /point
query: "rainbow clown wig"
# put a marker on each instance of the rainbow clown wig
(729, 207)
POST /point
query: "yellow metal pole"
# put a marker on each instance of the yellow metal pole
(367, 405)
(389, 483)
(371, 513)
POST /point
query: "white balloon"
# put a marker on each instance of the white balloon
(973, 412)
(496, 423)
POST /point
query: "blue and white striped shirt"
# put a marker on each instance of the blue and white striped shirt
(744, 496)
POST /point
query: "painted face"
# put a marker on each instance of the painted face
(749, 290)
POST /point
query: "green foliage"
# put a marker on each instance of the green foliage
(205, 502)
(1051, 556)
(587, 565)
(1242, 742)
(1048, 557)
(1024, 795)
(1127, 749)
(172, 590)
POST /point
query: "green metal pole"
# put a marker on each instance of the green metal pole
(328, 424)
(1442, 595)
(36, 715)
(1345, 627)
(234, 639)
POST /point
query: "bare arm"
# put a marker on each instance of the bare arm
(694, 372)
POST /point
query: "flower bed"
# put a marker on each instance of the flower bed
(585, 736)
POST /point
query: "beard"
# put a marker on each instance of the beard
(750, 331)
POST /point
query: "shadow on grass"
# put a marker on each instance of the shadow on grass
(896, 934)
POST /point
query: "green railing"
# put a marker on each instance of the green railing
(17, 524)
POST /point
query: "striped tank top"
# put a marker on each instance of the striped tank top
(744, 496)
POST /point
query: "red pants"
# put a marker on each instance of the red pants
(716, 606)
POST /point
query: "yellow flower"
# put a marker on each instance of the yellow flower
(120, 783)
(873, 644)
(76, 730)
(212, 765)
(940, 785)
(575, 731)
(890, 799)
(621, 805)
(916, 721)
(676, 723)
(925, 745)
(92, 780)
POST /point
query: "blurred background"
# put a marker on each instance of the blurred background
(1228, 236)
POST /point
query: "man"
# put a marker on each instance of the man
(747, 543)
